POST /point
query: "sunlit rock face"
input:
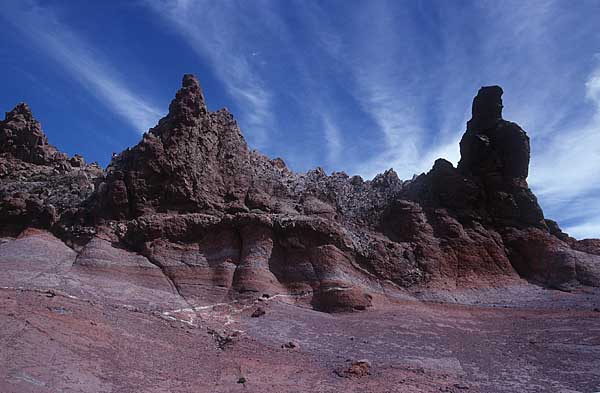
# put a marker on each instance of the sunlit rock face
(193, 212)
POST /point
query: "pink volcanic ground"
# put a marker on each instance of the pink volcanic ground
(70, 325)
(54, 343)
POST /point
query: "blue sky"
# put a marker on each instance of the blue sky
(358, 86)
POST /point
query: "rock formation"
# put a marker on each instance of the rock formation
(487, 200)
(192, 207)
(39, 186)
(22, 137)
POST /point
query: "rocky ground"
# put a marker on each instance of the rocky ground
(52, 342)
(71, 326)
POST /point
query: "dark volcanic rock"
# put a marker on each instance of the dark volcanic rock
(198, 161)
(483, 213)
(546, 259)
(278, 230)
(21, 136)
(591, 246)
(192, 208)
(191, 161)
(496, 152)
(40, 186)
(492, 145)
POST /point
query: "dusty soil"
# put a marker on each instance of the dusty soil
(541, 341)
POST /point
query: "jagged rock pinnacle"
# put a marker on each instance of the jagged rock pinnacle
(21, 109)
(492, 145)
(190, 80)
(222, 220)
(21, 135)
(496, 152)
(487, 108)
(189, 103)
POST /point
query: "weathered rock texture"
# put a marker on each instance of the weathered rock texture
(39, 186)
(483, 213)
(193, 209)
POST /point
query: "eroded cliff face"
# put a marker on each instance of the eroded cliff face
(219, 220)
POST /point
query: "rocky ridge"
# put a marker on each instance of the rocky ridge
(39, 186)
(192, 207)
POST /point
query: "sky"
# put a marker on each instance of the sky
(351, 85)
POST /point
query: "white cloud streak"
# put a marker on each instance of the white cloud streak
(554, 93)
(417, 88)
(392, 96)
(42, 27)
(566, 149)
(334, 140)
(413, 86)
(215, 33)
(396, 120)
(567, 170)
(589, 229)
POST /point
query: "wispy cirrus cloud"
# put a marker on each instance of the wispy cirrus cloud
(588, 229)
(384, 84)
(334, 140)
(566, 175)
(554, 93)
(521, 49)
(255, 54)
(90, 68)
(390, 93)
(388, 85)
(216, 31)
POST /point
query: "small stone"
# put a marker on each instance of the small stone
(360, 368)
(259, 312)
(290, 345)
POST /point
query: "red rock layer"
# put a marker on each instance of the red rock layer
(193, 209)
